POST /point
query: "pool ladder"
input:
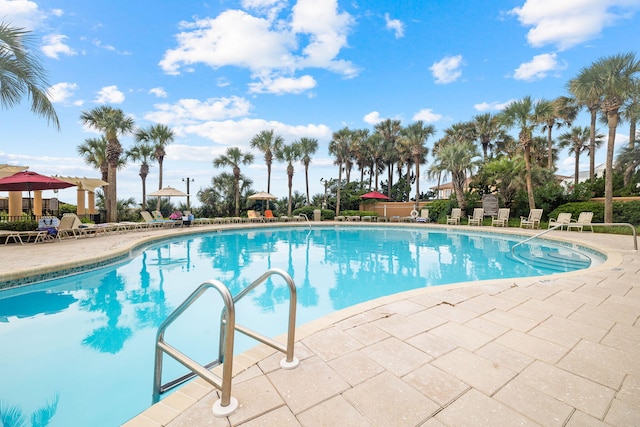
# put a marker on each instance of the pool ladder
(226, 404)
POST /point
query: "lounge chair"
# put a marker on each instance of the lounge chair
(23, 237)
(268, 214)
(584, 220)
(563, 219)
(155, 222)
(454, 218)
(424, 216)
(502, 219)
(533, 220)
(477, 217)
(254, 216)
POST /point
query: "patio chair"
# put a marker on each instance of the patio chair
(584, 220)
(533, 220)
(502, 219)
(155, 222)
(254, 216)
(563, 219)
(454, 218)
(424, 216)
(477, 217)
(268, 214)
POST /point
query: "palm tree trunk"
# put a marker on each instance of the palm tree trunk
(306, 177)
(417, 183)
(550, 148)
(612, 121)
(592, 145)
(576, 170)
(143, 177)
(290, 176)
(527, 165)
(338, 191)
(160, 162)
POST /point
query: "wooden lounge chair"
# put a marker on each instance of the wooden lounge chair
(424, 216)
(533, 220)
(254, 216)
(563, 219)
(477, 217)
(268, 214)
(502, 219)
(584, 220)
(454, 218)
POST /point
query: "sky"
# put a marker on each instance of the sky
(220, 71)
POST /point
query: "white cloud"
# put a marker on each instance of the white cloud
(193, 111)
(539, 67)
(267, 47)
(447, 70)
(372, 118)
(394, 25)
(567, 23)
(61, 92)
(22, 13)
(282, 85)
(427, 115)
(159, 92)
(53, 46)
(109, 95)
(110, 48)
(492, 106)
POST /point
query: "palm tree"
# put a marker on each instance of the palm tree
(416, 135)
(586, 89)
(21, 73)
(94, 153)
(487, 129)
(143, 153)
(525, 114)
(577, 140)
(339, 147)
(234, 158)
(113, 123)
(308, 146)
(628, 160)
(389, 130)
(615, 75)
(289, 153)
(457, 157)
(267, 143)
(559, 112)
(161, 136)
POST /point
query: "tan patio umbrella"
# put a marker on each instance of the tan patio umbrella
(167, 192)
(262, 195)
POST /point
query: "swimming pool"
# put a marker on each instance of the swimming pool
(87, 339)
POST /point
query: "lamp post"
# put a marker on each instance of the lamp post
(188, 180)
(326, 184)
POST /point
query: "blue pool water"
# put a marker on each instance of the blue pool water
(83, 345)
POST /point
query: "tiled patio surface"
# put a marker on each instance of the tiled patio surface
(560, 350)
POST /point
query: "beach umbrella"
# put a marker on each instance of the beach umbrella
(374, 195)
(167, 192)
(31, 181)
(262, 195)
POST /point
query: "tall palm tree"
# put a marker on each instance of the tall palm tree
(289, 153)
(308, 146)
(628, 160)
(94, 153)
(525, 115)
(267, 143)
(21, 73)
(487, 130)
(577, 140)
(586, 90)
(375, 150)
(458, 158)
(559, 112)
(389, 130)
(143, 153)
(416, 135)
(615, 75)
(339, 148)
(113, 123)
(161, 136)
(234, 157)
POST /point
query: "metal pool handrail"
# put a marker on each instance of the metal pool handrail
(602, 224)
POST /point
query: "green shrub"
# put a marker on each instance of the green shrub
(628, 212)
(439, 209)
(23, 225)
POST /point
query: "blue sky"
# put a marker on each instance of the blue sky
(219, 72)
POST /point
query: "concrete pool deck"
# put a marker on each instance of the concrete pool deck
(559, 350)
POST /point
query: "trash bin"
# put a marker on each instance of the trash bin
(317, 215)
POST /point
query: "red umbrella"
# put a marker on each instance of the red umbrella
(374, 195)
(28, 181)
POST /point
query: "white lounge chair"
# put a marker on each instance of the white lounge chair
(502, 220)
(563, 219)
(477, 217)
(454, 218)
(533, 220)
(584, 220)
